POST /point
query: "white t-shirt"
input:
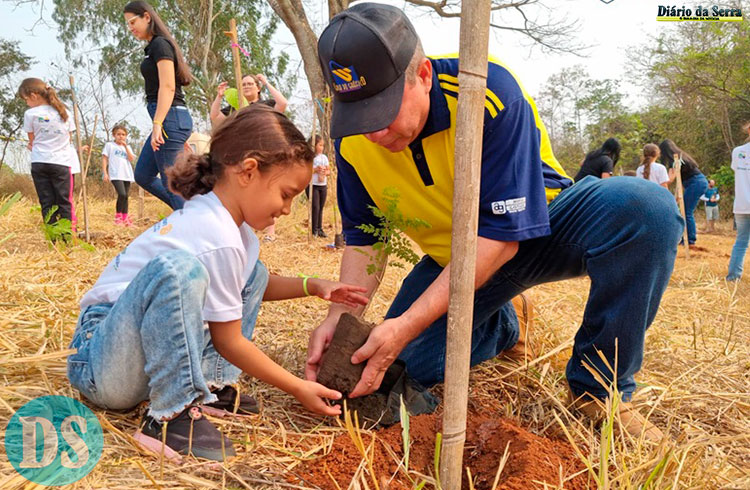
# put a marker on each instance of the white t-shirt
(203, 228)
(658, 173)
(741, 167)
(51, 135)
(320, 161)
(118, 166)
(75, 164)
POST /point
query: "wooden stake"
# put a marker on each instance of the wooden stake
(141, 198)
(472, 81)
(681, 201)
(80, 158)
(232, 33)
(310, 185)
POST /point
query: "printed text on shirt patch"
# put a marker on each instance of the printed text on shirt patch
(509, 206)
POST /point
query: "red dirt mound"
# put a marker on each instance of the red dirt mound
(532, 461)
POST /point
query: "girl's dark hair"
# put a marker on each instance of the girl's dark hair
(256, 131)
(611, 148)
(650, 152)
(119, 127)
(157, 27)
(37, 86)
(669, 148)
(318, 139)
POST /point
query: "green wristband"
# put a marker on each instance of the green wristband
(305, 277)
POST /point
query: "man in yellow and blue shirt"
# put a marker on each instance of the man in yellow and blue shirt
(394, 126)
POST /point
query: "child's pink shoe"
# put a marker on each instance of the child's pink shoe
(119, 219)
(126, 220)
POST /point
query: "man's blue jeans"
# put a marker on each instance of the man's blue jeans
(152, 344)
(740, 246)
(622, 232)
(150, 168)
(695, 187)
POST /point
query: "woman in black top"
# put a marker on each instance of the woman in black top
(601, 163)
(694, 182)
(165, 73)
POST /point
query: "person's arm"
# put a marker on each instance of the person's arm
(608, 169)
(353, 271)
(387, 340)
(703, 197)
(672, 174)
(216, 115)
(281, 101)
(105, 168)
(280, 288)
(164, 100)
(129, 151)
(229, 342)
(31, 140)
(665, 185)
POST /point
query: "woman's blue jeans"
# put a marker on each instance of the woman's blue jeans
(695, 187)
(740, 246)
(152, 343)
(150, 168)
(621, 232)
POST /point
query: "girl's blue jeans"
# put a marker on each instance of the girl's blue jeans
(150, 168)
(621, 232)
(740, 246)
(695, 187)
(152, 343)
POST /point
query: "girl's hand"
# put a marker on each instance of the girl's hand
(157, 139)
(105, 177)
(221, 89)
(337, 292)
(310, 394)
(29, 145)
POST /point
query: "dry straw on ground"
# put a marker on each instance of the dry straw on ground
(695, 379)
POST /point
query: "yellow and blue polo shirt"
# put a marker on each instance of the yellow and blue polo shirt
(519, 175)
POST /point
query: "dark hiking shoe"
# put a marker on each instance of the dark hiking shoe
(188, 433)
(227, 399)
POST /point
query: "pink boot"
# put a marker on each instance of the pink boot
(126, 220)
(118, 219)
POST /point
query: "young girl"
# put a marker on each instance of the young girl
(140, 334)
(319, 187)
(649, 169)
(694, 182)
(117, 157)
(165, 72)
(49, 127)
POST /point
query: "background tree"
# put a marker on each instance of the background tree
(12, 107)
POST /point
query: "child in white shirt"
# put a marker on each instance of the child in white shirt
(117, 157)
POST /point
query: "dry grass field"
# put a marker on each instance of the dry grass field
(695, 378)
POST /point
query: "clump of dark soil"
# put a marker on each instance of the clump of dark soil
(533, 460)
(336, 369)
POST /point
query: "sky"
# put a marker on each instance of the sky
(609, 30)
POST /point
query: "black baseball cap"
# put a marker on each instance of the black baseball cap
(364, 53)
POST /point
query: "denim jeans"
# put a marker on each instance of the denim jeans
(740, 246)
(152, 344)
(694, 187)
(178, 125)
(622, 232)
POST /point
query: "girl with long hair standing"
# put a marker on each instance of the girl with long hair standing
(650, 169)
(165, 72)
(693, 181)
(49, 126)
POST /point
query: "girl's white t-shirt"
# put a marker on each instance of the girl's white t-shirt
(741, 167)
(658, 173)
(51, 135)
(118, 166)
(203, 228)
(320, 161)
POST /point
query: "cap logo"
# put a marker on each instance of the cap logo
(345, 79)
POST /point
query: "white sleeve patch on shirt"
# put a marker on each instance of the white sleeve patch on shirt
(509, 206)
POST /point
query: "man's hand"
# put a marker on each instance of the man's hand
(320, 339)
(385, 343)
